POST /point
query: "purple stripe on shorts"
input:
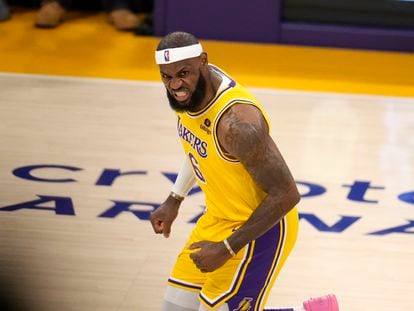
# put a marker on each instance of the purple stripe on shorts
(258, 270)
(245, 262)
(267, 247)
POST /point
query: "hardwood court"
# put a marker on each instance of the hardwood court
(94, 256)
(73, 238)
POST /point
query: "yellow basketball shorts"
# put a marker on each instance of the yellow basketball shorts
(244, 281)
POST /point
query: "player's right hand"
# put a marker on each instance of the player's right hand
(163, 217)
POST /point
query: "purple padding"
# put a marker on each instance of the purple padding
(160, 8)
(347, 37)
(231, 20)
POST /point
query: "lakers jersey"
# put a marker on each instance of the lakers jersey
(230, 191)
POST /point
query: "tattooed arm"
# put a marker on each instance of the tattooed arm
(243, 133)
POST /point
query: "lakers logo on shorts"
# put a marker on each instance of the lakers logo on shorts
(244, 305)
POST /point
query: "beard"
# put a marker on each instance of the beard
(195, 100)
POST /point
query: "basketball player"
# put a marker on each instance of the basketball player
(241, 242)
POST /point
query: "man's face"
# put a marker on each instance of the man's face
(185, 84)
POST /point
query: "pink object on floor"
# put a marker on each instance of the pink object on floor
(324, 303)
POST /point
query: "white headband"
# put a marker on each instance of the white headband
(173, 55)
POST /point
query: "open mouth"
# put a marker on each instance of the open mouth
(181, 95)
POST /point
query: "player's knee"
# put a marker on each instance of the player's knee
(176, 299)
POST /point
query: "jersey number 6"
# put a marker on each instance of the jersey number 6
(196, 168)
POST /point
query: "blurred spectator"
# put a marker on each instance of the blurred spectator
(51, 13)
(4, 10)
(122, 13)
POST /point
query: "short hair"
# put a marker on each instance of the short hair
(177, 39)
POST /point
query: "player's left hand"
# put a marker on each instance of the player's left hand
(210, 256)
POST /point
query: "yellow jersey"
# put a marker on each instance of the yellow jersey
(230, 191)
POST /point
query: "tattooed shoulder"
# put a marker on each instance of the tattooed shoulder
(241, 130)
